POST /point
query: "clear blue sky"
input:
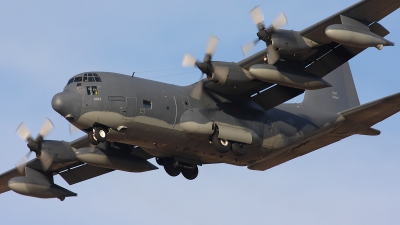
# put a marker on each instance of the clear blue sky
(44, 43)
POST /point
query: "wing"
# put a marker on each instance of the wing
(73, 171)
(319, 61)
(329, 55)
(357, 120)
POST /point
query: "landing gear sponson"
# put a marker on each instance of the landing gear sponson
(174, 168)
(223, 146)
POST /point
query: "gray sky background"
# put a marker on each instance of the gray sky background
(44, 43)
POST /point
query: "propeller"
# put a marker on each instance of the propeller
(206, 67)
(73, 129)
(265, 34)
(35, 145)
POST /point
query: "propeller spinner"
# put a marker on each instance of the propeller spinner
(206, 67)
(35, 145)
(265, 34)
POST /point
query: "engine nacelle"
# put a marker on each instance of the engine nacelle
(36, 184)
(290, 42)
(229, 73)
(354, 33)
(56, 152)
(285, 77)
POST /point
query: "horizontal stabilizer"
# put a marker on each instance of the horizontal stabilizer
(374, 112)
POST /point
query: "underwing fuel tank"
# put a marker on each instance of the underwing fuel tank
(38, 185)
(354, 33)
(300, 80)
(128, 163)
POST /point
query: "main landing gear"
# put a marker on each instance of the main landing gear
(223, 146)
(174, 168)
(97, 135)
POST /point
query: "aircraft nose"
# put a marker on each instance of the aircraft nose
(68, 104)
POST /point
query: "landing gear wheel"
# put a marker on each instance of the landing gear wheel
(92, 139)
(160, 161)
(222, 146)
(190, 174)
(170, 168)
(100, 134)
(239, 149)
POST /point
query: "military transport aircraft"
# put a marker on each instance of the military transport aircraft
(236, 115)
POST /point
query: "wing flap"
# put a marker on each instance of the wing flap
(275, 96)
(82, 173)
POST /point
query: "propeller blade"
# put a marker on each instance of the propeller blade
(279, 21)
(246, 48)
(273, 55)
(257, 16)
(46, 160)
(73, 129)
(198, 89)
(22, 163)
(23, 131)
(212, 44)
(189, 60)
(46, 128)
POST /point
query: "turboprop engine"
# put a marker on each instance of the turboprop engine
(354, 33)
(39, 185)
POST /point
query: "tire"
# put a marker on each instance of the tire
(190, 174)
(239, 149)
(160, 161)
(170, 168)
(222, 146)
(91, 138)
(100, 134)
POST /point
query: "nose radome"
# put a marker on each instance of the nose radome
(68, 104)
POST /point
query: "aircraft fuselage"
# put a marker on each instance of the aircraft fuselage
(151, 115)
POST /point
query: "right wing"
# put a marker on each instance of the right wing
(357, 120)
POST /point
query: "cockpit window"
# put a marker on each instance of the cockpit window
(92, 90)
(70, 80)
(91, 77)
(87, 77)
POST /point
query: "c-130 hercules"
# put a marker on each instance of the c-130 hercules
(235, 116)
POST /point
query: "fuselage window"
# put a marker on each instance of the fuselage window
(78, 79)
(146, 104)
(92, 90)
(97, 79)
(91, 79)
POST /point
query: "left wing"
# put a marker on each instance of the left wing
(329, 55)
(323, 57)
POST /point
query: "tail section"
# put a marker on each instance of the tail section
(341, 96)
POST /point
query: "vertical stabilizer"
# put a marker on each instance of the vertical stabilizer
(341, 96)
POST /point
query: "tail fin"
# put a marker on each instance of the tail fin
(341, 96)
